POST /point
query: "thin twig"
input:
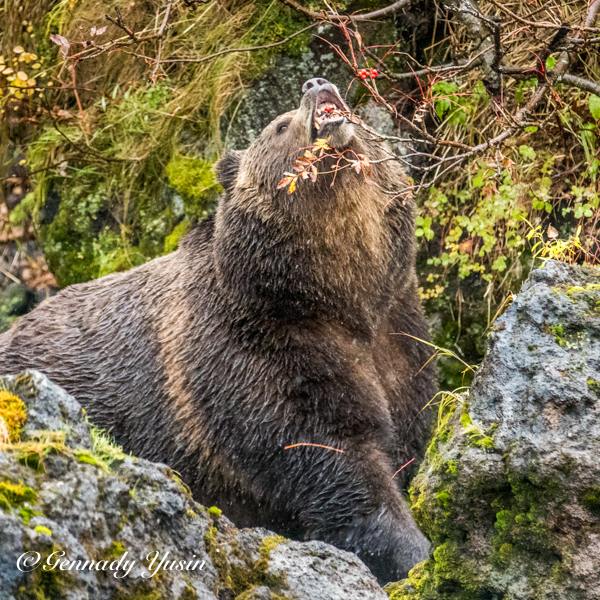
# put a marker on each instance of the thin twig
(386, 11)
(313, 445)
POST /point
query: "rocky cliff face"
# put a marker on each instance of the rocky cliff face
(67, 494)
(510, 489)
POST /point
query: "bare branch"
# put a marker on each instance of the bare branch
(584, 84)
(386, 11)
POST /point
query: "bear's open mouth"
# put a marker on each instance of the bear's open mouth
(329, 109)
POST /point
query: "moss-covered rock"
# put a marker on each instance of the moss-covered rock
(508, 492)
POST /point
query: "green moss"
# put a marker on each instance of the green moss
(558, 331)
(13, 495)
(451, 567)
(412, 586)
(27, 513)
(268, 544)
(13, 414)
(504, 553)
(474, 433)
(593, 385)
(591, 500)
(188, 593)
(452, 467)
(195, 180)
(565, 336)
(43, 530)
(588, 293)
(88, 458)
(172, 240)
(47, 584)
(447, 574)
(218, 558)
(215, 511)
(240, 576)
(521, 518)
(115, 550)
(443, 498)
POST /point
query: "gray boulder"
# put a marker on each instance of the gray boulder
(97, 518)
(509, 491)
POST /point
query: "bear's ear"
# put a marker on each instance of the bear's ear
(227, 168)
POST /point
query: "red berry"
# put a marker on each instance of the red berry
(374, 73)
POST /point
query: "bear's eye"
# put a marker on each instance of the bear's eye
(282, 126)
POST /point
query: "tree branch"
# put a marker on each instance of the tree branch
(580, 82)
(386, 11)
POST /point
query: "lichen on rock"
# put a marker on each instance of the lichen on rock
(508, 492)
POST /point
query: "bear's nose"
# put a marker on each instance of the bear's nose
(315, 82)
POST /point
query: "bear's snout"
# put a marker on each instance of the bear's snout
(315, 82)
(330, 116)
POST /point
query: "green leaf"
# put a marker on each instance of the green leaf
(594, 106)
(550, 63)
(499, 264)
(527, 152)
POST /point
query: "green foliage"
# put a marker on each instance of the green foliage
(105, 176)
(594, 106)
(481, 229)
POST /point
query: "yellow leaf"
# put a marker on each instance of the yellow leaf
(321, 144)
(18, 49)
(292, 187)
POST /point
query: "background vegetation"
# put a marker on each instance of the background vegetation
(113, 114)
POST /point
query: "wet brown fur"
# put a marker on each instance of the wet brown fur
(274, 323)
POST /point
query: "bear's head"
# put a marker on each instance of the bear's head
(322, 114)
(342, 232)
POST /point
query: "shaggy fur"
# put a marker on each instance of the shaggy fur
(274, 323)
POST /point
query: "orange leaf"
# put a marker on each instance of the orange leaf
(284, 181)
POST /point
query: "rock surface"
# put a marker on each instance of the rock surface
(64, 488)
(510, 488)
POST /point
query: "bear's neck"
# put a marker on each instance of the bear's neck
(333, 257)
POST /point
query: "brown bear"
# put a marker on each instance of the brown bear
(265, 358)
